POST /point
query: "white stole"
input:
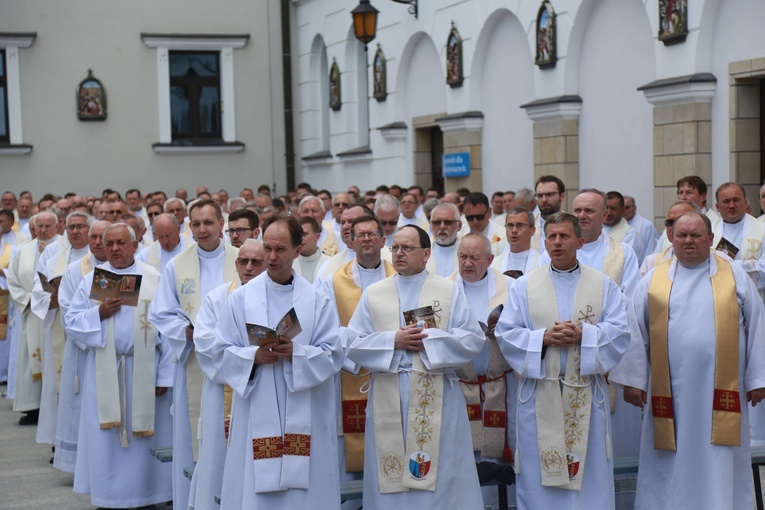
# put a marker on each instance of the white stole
(416, 465)
(111, 388)
(280, 457)
(563, 417)
(619, 230)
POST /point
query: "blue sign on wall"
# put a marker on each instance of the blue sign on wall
(456, 164)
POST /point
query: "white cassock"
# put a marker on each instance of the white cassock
(208, 475)
(524, 261)
(494, 232)
(603, 345)
(478, 295)
(698, 474)
(457, 482)
(12, 336)
(162, 313)
(739, 234)
(72, 374)
(446, 259)
(158, 258)
(647, 234)
(363, 278)
(316, 357)
(50, 317)
(118, 477)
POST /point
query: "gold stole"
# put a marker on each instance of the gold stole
(5, 259)
(27, 271)
(619, 230)
(415, 466)
(154, 256)
(662, 256)
(726, 404)
(330, 246)
(354, 402)
(111, 387)
(228, 392)
(488, 429)
(563, 417)
(188, 287)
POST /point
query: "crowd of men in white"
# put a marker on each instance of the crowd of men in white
(429, 345)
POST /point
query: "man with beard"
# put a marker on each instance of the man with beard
(550, 193)
(445, 223)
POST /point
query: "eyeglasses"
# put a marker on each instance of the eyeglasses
(669, 222)
(151, 215)
(476, 217)
(540, 196)
(72, 228)
(389, 223)
(405, 248)
(438, 223)
(245, 262)
(237, 231)
(519, 226)
(365, 235)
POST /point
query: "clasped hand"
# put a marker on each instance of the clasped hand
(269, 353)
(410, 338)
(562, 334)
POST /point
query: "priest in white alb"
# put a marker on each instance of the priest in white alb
(283, 438)
(186, 279)
(563, 327)
(74, 359)
(216, 396)
(418, 452)
(699, 359)
(125, 405)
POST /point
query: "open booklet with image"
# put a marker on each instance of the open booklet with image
(49, 286)
(423, 317)
(288, 326)
(115, 286)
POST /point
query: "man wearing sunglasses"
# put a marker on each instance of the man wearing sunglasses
(216, 397)
(478, 221)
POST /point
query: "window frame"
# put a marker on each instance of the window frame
(225, 44)
(194, 87)
(10, 43)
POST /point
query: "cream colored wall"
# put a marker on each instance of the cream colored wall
(85, 157)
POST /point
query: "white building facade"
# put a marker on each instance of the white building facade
(137, 50)
(620, 110)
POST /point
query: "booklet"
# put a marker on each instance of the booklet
(288, 326)
(727, 248)
(115, 286)
(423, 317)
(491, 323)
(49, 286)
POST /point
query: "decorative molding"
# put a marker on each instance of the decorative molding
(464, 121)
(359, 152)
(198, 148)
(394, 131)
(17, 39)
(15, 150)
(554, 108)
(316, 156)
(207, 42)
(692, 88)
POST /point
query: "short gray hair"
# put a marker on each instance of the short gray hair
(172, 200)
(384, 200)
(451, 207)
(522, 210)
(88, 218)
(119, 225)
(308, 198)
(475, 235)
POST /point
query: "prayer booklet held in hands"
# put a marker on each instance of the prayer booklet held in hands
(491, 323)
(289, 326)
(423, 317)
(49, 286)
(115, 286)
(727, 248)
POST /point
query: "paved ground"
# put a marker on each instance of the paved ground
(27, 480)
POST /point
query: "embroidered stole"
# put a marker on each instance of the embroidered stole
(563, 416)
(111, 386)
(86, 266)
(281, 457)
(488, 428)
(726, 403)
(329, 246)
(415, 466)
(154, 256)
(613, 266)
(354, 401)
(28, 255)
(5, 259)
(188, 287)
(619, 230)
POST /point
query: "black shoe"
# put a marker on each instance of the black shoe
(504, 473)
(485, 471)
(29, 418)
